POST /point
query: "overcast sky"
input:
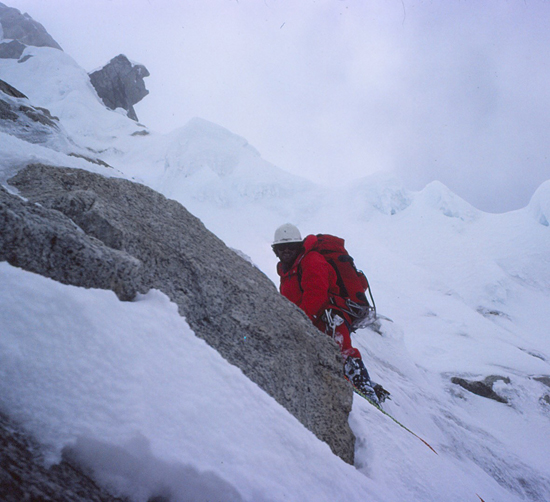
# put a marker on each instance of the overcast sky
(453, 90)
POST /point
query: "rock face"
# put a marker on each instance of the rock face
(24, 477)
(34, 124)
(22, 28)
(8, 90)
(120, 84)
(93, 231)
(24, 121)
(25, 229)
(11, 50)
(483, 388)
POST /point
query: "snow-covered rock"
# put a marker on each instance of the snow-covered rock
(92, 231)
(36, 125)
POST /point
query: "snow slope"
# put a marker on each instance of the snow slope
(155, 410)
(132, 386)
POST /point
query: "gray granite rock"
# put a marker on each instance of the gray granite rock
(11, 91)
(545, 379)
(11, 50)
(128, 238)
(46, 242)
(24, 476)
(483, 388)
(33, 124)
(21, 27)
(120, 84)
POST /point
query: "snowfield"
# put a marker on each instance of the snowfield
(148, 404)
(154, 410)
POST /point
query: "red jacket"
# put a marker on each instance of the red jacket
(311, 281)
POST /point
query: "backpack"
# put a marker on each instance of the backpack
(352, 283)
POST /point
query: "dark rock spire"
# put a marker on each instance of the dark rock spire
(120, 84)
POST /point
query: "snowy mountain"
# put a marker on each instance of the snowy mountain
(153, 410)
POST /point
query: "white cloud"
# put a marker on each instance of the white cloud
(433, 90)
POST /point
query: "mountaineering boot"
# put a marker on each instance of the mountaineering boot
(357, 374)
(381, 393)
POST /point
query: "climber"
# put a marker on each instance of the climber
(308, 281)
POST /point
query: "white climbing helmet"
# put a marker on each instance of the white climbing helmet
(287, 233)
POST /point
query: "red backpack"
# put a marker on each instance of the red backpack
(352, 283)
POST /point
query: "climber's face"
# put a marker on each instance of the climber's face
(287, 253)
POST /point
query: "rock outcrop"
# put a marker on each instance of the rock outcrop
(23, 475)
(73, 257)
(8, 90)
(11, 50)
(483, 388)
(84, 229)
(34, 124)
(545, 398)
(27, 122)
(15, 26)
(120, 84)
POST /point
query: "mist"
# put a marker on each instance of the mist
(338, 90)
